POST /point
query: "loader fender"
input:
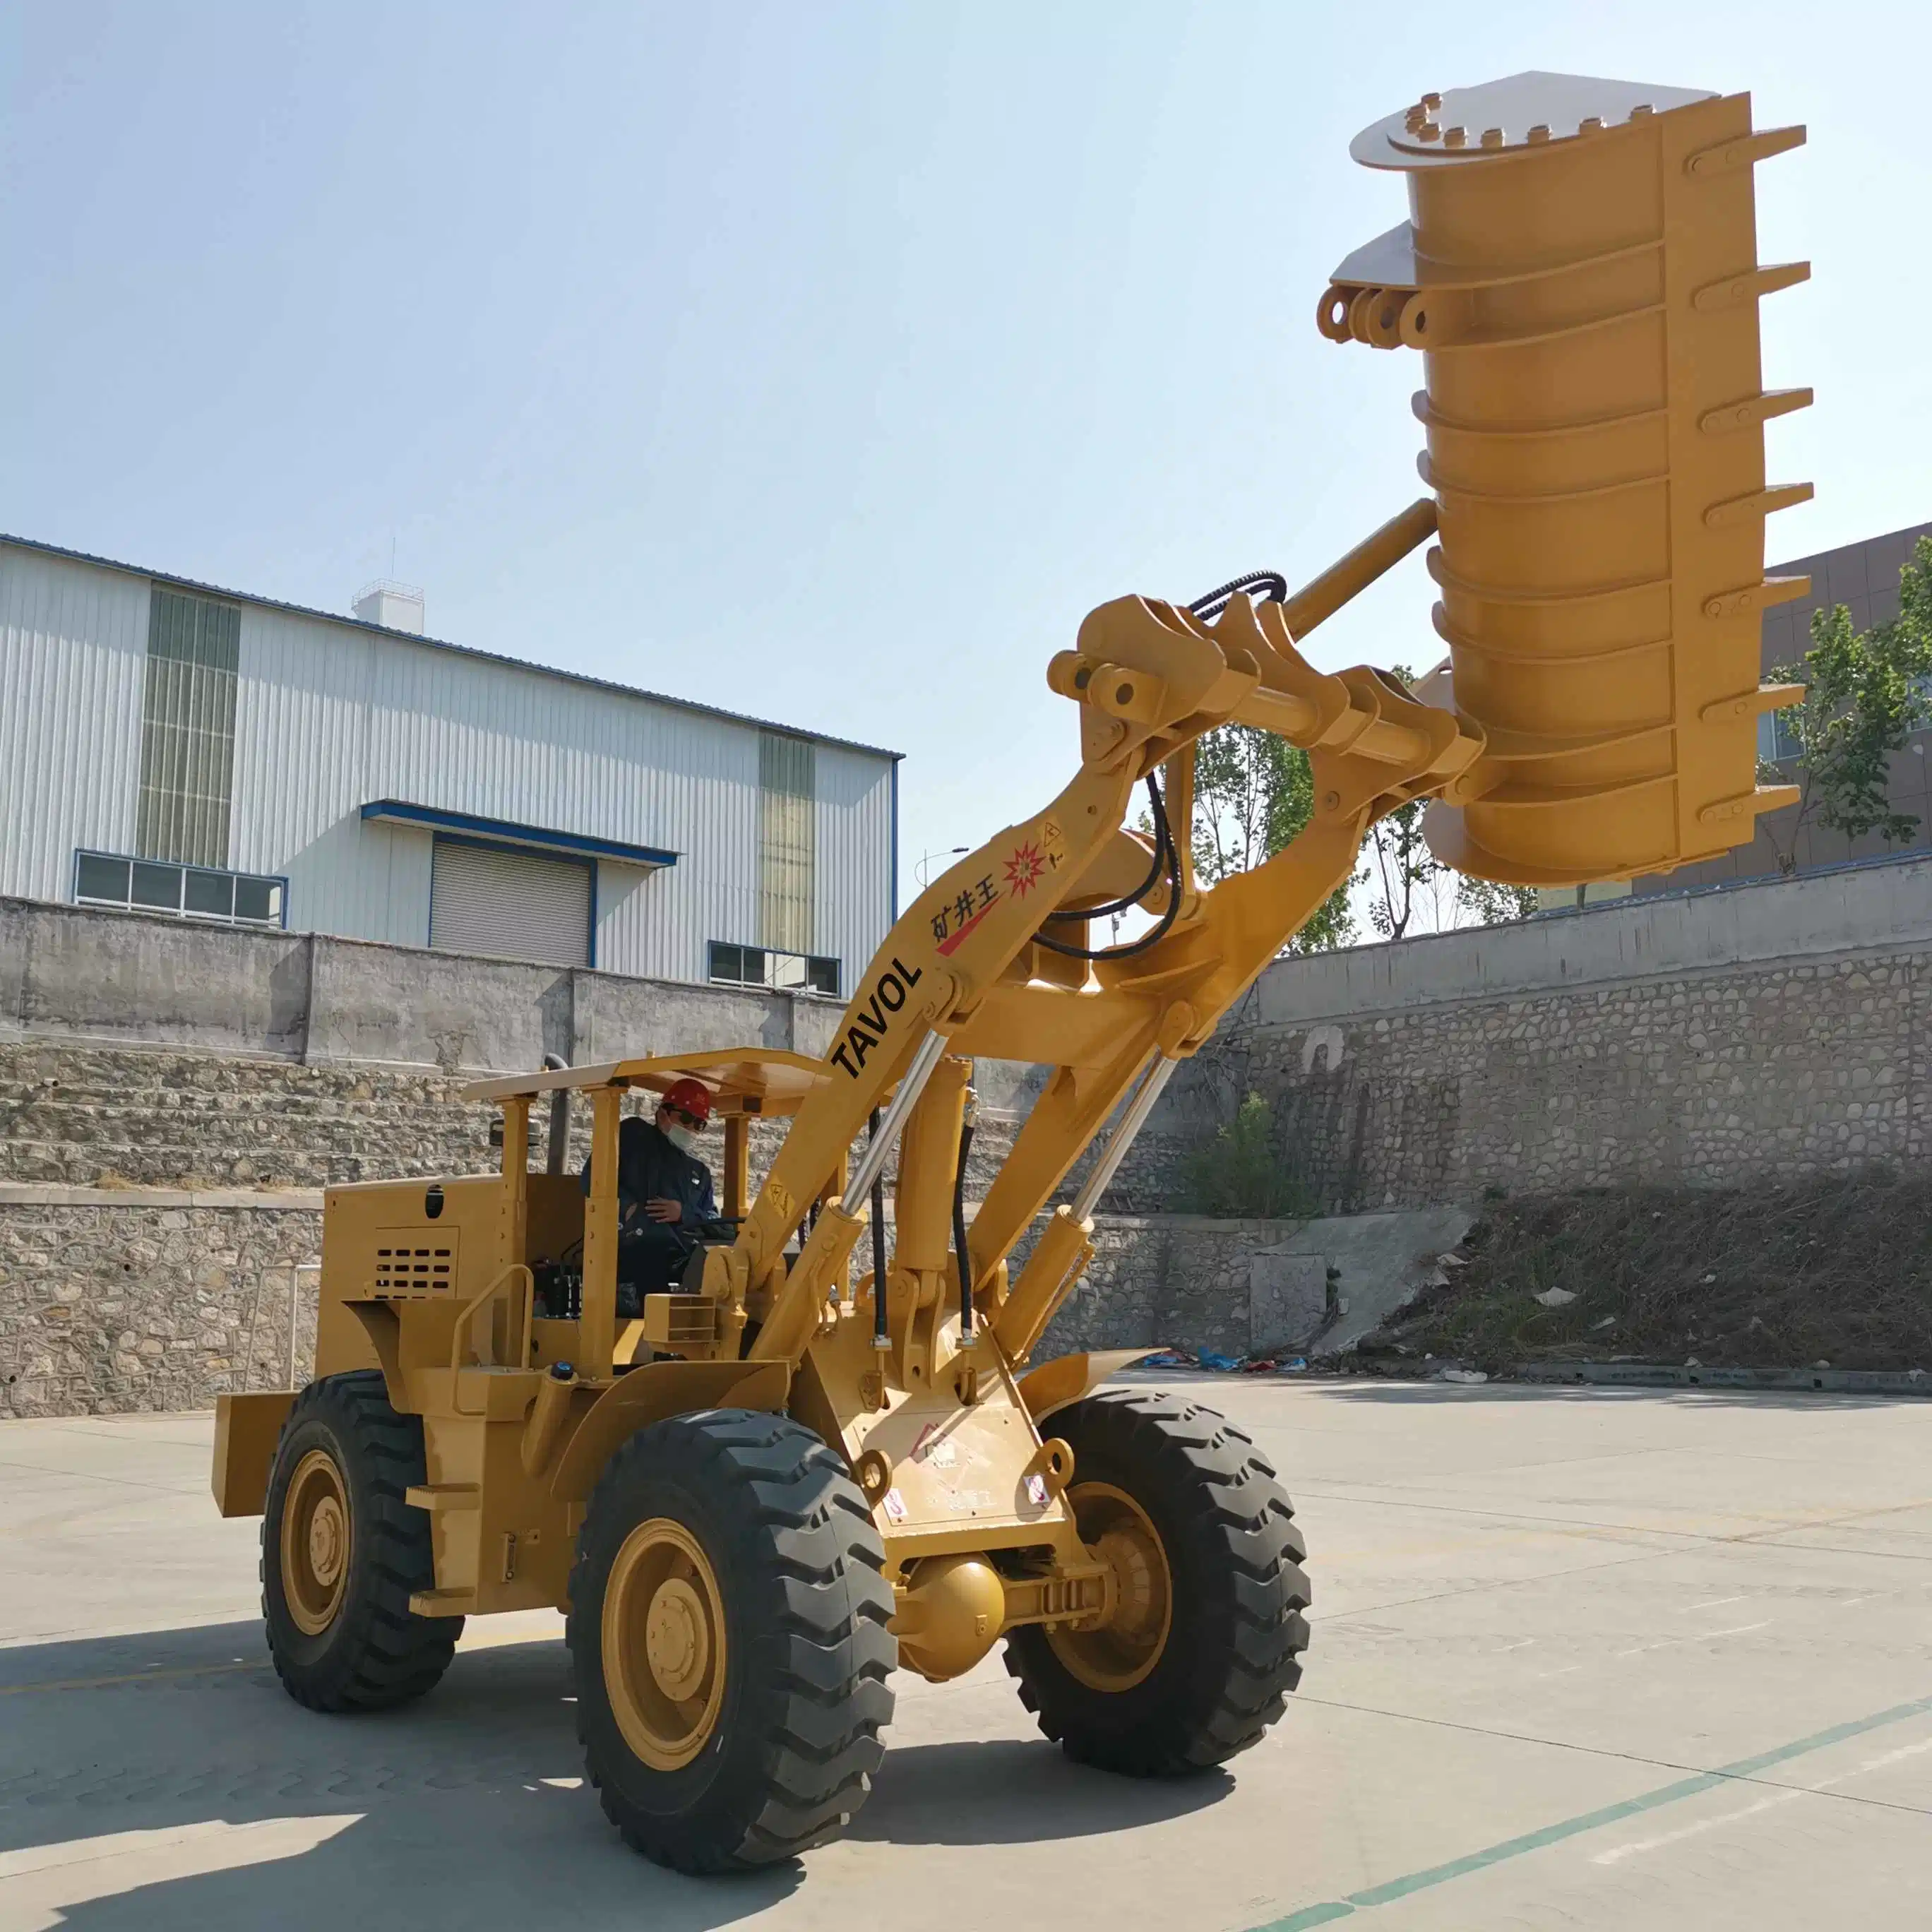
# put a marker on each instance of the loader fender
(247, 1428)
(1065, 1379)
(384, 1327)
(651, 1394)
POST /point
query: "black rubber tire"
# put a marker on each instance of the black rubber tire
(799, 1567)
(1234, 1649)
(376, 1653)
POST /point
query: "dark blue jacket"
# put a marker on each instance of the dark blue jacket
(651, 1167)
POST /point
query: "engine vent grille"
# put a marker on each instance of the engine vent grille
(411, 1262)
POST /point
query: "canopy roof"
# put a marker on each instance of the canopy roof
(764, 1080)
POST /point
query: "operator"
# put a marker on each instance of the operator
(665, 1204)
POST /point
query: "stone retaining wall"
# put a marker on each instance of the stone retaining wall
(163, 1300)
(1764, 1034)
(1649, 1055)
(113, 1299)
(156, 1116)
(1186, 1281)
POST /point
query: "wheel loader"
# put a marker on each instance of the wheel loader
(825, 1454)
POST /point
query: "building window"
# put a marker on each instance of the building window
(787, 841)
(187, 730)
(1777, 738)
(186, 892)
(781, 972)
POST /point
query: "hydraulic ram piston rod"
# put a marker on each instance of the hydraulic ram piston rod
(872, 1162)
(1115, 1151)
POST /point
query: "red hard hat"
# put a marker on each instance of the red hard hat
(689, 1096)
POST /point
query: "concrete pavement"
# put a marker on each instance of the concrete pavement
(1581, 1658)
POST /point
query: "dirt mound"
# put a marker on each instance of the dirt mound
(1836, 1270)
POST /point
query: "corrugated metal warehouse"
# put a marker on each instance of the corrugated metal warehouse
(172, 748)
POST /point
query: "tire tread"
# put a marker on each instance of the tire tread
(1242, 1556)
(382, 1654)
(791, 1501)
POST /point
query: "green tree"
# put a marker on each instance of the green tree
(1239, 1173)
(1253, 793)
(1865, 693)
(1398, 860)
(1495, 905)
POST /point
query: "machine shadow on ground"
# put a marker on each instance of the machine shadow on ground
(466, 1806)
(1006, 1792)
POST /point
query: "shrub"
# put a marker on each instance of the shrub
(1239, 1175)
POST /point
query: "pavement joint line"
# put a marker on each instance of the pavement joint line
(87, 1476)
(1775, 1795)
(130, 1677)
(1470, 1589)
(1743, 1769)
(1747, 1539)
(1837, 1549)
(1806, 1525)
(487, 1640)
(1303, 1490)
(1489, 1731)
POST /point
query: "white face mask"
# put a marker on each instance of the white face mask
(683, 1139)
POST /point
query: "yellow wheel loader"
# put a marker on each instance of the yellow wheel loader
(824, 1454)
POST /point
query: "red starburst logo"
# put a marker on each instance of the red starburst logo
(1023, 868)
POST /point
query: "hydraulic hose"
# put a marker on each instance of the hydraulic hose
(1166, 855)
(1274, 587)
(1162, 837)
(559, 1117)
(959, 1247)
(1271, 583)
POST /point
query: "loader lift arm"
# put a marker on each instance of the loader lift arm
(988, 960)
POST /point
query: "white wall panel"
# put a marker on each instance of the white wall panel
(329, 718)
(73, 643)
(855, 857)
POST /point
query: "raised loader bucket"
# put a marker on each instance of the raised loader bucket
(1580, 273)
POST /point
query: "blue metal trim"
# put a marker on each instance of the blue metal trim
(507, 831)
(894, 919)
(590, 945)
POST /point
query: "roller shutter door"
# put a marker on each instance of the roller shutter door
(510, 904)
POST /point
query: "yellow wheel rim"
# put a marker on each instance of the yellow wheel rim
(1119, 1653)
(664, 1644)
(317, 1529)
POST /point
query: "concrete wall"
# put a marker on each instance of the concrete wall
(66, 973)
(1875, 909)
(1769, 1031)
(1766, 1032)
(1253, 1288)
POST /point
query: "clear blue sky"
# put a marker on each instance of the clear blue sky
(829, 361)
